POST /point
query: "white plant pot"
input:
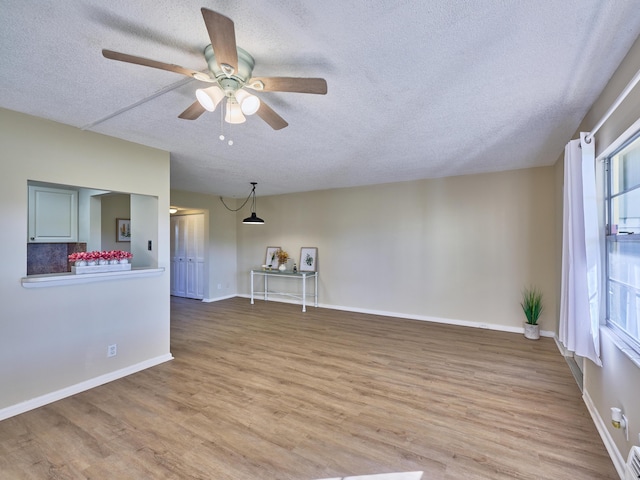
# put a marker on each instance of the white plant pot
(532, 332)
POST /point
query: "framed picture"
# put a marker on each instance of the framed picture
(123, 230)
(271, 259)
(308, 259)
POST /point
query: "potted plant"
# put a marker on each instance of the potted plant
(532, 307)
(282, 259)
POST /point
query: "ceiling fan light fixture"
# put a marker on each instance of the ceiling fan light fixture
(230, 70)
(210, 97)
(234, 113)
(248, 103)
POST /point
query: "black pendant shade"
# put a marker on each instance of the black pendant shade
(253, 219)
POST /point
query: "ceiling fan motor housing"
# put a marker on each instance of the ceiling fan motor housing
(229, 85)
(241, 76)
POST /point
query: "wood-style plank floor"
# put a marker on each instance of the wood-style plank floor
(266, 392)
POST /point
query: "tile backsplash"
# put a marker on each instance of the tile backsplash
(51, 257)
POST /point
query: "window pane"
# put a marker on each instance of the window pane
(623, 242)
(624, 305)
(625, 168)
(625, 212)
(624, 261)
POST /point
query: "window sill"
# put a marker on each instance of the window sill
(622, 345)
(58, 279)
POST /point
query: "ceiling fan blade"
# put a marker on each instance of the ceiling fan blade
(222, 34)
(266, 113)
(193, 112)
(123, 57)
(289, 84)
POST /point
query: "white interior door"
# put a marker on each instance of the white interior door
(195, 255)
(178, 257)
(187, 256)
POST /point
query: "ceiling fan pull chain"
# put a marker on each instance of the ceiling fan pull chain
(221, 137)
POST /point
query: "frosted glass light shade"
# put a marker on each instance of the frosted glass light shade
(248, 103)
(234, 113)
(210, 97)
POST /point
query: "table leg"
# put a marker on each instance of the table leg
(315, 279)
(251, 287)
(266, 285)
(304, 292)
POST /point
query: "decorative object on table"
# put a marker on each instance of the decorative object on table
(295, 267)
(96, 262)
(308, 259)
(283, 257)
(123, 230)
(532, 307)
(271, 259)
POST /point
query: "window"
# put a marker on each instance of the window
(623, 241)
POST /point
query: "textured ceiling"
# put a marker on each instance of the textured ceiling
(416, 88)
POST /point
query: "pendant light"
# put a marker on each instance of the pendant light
(253, 219)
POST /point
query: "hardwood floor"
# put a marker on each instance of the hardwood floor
(266, 392)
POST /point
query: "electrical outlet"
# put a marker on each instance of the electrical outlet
(112, 350)
(219, 286)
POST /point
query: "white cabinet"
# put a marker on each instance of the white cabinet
(53, 215)
(187, 256)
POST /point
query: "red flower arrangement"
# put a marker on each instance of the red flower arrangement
(96, 255)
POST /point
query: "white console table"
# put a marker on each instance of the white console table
(302, 276)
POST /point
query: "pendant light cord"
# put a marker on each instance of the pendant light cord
(253, 193)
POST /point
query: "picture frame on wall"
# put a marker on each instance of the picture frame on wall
(309, 259)
(123, 230)
(271, 258)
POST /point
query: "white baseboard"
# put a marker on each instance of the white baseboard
(563, 350)
(37, 402)
(424, 318)
(217, 299)
(614, 453)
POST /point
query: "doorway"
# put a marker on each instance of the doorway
(187, 256)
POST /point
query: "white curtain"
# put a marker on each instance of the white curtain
(579, 329)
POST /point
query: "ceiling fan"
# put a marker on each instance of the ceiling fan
(230, 72)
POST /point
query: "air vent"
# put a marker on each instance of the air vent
(633, 464)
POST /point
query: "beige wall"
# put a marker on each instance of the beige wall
(456, 249)
(220, 241)
(617, 383)
(54, 338)
(113, 206)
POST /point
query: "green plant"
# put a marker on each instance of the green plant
(532, 304)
